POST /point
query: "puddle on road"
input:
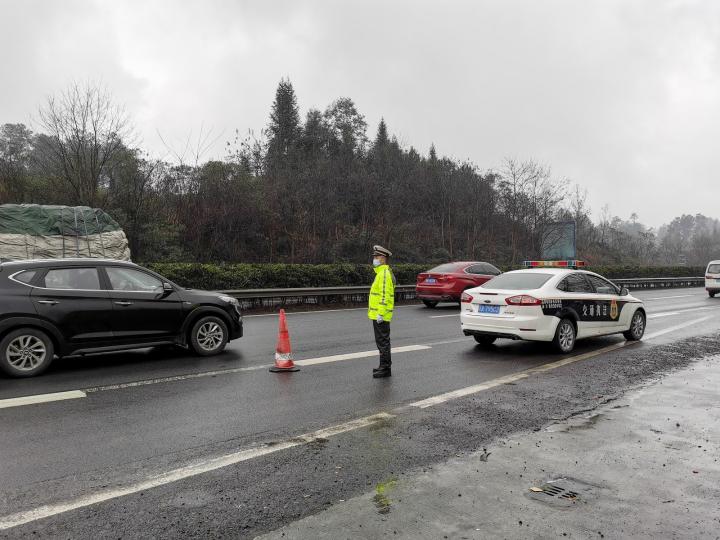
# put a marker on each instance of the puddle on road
(382, 423)
(576, 423)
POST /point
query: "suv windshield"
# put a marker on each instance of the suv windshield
(515, 282)
(445, 268)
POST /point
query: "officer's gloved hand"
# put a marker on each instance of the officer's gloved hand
(379, 318)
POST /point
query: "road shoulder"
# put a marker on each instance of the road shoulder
(643, 466)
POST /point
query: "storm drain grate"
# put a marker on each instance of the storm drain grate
(562, 492)
(555, 491)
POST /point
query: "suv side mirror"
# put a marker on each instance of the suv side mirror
(167, 288)
(624, 291)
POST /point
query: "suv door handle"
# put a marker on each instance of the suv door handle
(124, 303)
(49, 302)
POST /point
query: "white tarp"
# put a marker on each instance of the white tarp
(108, 245)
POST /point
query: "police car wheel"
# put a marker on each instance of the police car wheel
(564, 340)
(637, 327)
(485, 340)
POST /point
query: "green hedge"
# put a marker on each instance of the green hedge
(634, 271)
(271, 276)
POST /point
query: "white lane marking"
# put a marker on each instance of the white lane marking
(40, 398)
(679, 312)
(674, 328)
(312, 312)
(362, 354)
(204, 466)
(667, 297)
(447, 396)
(447, 341)
(145, 382)
(303, 362)
(441, 316)
(663, 314)
(195, 469)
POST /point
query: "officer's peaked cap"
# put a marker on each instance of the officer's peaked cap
(379, 250)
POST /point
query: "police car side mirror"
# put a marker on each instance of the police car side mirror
(624, 291)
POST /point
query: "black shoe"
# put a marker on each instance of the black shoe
(381, 373)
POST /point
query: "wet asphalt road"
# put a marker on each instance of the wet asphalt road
(121, 434)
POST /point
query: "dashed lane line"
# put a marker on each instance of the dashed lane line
(469, 390)
(194, 469)
(353, 356)
(305, 362)
(207, 465)
(40, 398)
(664, 314)
(669, 297)
(678, 312)
(674, 328)
(74, 394)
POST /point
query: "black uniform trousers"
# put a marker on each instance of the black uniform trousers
(382, 340)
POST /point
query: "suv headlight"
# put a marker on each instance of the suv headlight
(234, 302)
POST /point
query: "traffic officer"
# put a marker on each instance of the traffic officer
(380, 309)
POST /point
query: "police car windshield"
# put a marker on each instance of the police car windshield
(517, 282)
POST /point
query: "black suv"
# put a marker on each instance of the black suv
(69, 307)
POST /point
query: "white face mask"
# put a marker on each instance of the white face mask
(376, 262)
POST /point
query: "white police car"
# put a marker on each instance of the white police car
(550, 303)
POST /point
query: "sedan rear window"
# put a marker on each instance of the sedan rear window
(713, 269)
(517, 282)
(445, 268)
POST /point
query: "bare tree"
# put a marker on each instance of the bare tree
(86, 130)
(530, 198)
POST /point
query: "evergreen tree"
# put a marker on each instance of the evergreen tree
(284, 126)
(381, 139)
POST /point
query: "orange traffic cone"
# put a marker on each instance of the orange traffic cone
(283, 351)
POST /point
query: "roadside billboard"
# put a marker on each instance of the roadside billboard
(558, 241)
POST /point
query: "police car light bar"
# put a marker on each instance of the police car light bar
(554, 264)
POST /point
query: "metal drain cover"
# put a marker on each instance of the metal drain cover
(562, 492)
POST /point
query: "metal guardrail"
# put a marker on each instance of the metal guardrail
(661, 283)
(254, 298)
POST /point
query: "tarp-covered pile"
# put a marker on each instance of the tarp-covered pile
(32, 231)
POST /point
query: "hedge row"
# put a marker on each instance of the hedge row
(281, 276)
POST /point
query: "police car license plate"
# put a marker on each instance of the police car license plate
(430, 280)
(488, 309)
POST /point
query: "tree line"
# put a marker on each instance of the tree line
(315, 189)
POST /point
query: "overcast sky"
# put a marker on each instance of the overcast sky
(621, 97)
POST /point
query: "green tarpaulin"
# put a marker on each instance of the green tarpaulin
(32, 231)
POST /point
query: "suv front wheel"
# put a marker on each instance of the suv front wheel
(25, 352)
(209, 335)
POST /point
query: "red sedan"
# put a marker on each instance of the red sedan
(446, 283)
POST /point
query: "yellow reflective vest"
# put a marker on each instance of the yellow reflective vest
(382, 294)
